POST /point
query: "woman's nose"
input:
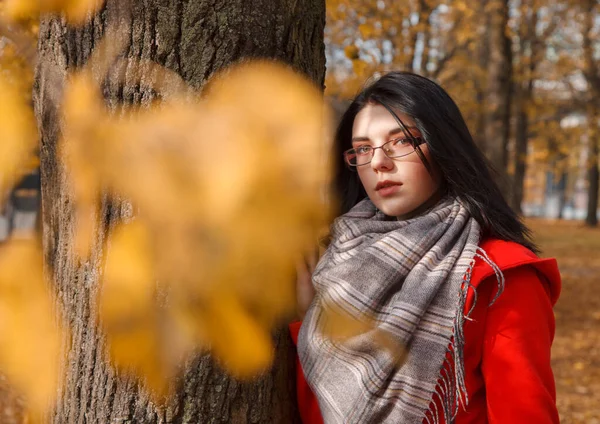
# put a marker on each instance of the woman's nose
(381, 161)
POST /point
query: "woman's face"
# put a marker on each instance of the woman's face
(397, 186)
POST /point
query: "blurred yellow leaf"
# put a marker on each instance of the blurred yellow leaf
(461, 6)
(128, 311)
(76, 10)
(229, 326)
(360, 67)
(29, 335)
(87, 126)
(343, 327)
(351, 52)
(366, 31)
(18, 134)
(227, 188)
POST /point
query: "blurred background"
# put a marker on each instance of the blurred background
(526, 75)
(523, 73)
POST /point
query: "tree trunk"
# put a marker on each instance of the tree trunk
(413, 36)
(194, 39)
(425, 31)
(499, 89)
(528, 58)
(562, 196)
(593, 80)
(521, 134)
(591, 219)
(483, 57)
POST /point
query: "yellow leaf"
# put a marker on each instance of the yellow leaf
(76, 10)
(18, 135)
(29, 336)
(366, 31)
(127, 308)
(343, 327)
(242, 346)
(87, 125)
(360, 67)
(352, 52)
(227, 190)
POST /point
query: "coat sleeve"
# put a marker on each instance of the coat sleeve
(519, 330)
(307, 401)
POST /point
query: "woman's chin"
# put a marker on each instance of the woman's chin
(396, 210)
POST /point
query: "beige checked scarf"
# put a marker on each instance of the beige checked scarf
(411, 278)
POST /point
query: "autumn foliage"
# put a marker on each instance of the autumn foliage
(226, 189)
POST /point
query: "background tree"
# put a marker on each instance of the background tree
(510, 65)
(591, 66)
(498, 89)
(193, 39)
(534, 25)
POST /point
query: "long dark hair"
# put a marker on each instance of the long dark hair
(466, 172)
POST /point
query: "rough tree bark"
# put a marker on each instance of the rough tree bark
(483, 58)
(521, 141)
(528, 56)
(194, 38)
(591, 67)
(593, 174)
(591, 219)
(499, 89)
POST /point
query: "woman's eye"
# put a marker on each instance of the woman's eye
(363, 150)
(399, 141)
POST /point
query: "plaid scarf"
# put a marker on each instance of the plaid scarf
(410, 279)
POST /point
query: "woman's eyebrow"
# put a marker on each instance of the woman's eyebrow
(392, 132)
(399, 130)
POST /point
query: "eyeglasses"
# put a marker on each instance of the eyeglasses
(395, 148)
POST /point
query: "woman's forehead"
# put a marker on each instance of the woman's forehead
(376, 120)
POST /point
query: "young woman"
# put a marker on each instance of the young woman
(428, 250)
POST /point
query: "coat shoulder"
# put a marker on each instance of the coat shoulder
(508, 255)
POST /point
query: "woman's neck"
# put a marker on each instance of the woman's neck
(425, 206)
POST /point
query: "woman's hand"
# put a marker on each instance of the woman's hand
(305, 291)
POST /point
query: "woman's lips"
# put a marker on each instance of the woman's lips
(388, 190)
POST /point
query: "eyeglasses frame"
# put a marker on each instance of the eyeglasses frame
(413, 140)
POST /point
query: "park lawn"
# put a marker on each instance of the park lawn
(576, 350)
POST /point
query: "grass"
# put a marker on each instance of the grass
(576, 349)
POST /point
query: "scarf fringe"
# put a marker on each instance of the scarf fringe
(452, 392)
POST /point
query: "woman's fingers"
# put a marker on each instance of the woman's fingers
(312, 258)
(305, 291)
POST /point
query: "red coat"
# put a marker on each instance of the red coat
(507, 345)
